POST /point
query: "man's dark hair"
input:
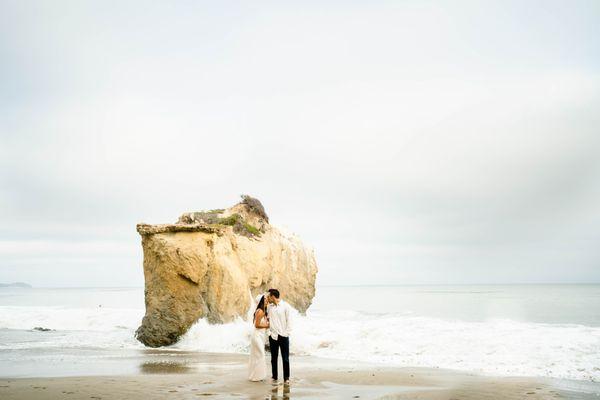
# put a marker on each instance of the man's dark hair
(274, 293)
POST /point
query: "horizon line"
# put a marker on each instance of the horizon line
(339, 285)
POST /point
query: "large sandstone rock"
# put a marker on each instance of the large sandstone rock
(211, 265)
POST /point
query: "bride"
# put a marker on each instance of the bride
(257, 367)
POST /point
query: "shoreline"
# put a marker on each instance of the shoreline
(152, 374)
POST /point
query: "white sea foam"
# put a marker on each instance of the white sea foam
(69, 318)
(494, 347)
(93, 327)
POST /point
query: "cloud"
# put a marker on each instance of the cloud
(427, 143)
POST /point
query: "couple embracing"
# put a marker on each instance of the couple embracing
(272, 317)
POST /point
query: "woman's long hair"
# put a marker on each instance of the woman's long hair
(261, 305)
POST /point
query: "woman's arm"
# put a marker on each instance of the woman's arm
(257, 317)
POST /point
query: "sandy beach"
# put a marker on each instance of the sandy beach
(177, 375)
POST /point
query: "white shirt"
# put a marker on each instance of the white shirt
(280, 321)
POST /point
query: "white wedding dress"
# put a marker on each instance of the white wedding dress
(257, 366)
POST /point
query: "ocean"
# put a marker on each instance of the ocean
(506, 330)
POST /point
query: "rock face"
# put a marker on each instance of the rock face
(212, 264)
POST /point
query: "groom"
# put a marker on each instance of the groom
(280, 326)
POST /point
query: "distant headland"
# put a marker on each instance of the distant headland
(16, 285)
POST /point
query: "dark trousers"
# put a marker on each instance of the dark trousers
(282, 343)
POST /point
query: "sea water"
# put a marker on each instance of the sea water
(508, 330)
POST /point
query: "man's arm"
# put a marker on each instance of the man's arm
(288, 320)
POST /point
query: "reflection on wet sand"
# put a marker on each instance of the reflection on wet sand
(283, 389)
(165, 367)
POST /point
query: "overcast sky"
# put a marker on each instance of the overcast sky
(406, 141)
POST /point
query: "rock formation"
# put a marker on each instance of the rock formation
(211, 264)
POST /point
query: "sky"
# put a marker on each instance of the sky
(407, 142)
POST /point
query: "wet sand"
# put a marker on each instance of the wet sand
(223, 376)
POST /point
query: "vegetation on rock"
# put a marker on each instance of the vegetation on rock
(255, 205)
(237, 221)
